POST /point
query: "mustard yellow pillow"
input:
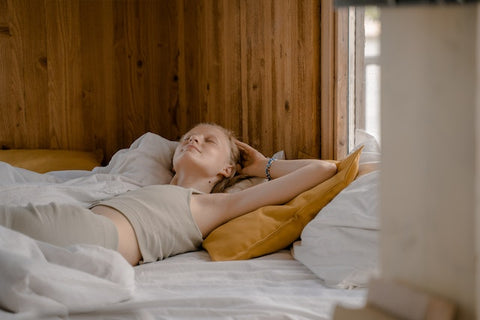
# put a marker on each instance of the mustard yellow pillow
(272, 228)
(42, 160)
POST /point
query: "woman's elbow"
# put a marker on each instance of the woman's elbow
(329, 169)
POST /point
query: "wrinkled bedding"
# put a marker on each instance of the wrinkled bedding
(20, 186)
(38, 280)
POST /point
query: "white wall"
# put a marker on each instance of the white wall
(429, 206)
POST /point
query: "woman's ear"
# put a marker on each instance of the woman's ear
(228, 171)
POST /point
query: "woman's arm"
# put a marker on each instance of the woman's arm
(290, 178)
(255, 163)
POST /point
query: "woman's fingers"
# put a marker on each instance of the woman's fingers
(251, 159)
(245, 149)
(249, 154)
(243, 146)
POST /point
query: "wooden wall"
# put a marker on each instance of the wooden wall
(91, 74)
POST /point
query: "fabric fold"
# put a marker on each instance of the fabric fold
(42, 279)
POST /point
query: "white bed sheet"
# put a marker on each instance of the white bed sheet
(191, 286)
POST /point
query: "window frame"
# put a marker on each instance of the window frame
(342, 79)
(333, 81)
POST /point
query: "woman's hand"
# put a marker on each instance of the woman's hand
(253, 162)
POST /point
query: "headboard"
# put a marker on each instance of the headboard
(89, 75)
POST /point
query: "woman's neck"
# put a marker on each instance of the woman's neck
(188, 181)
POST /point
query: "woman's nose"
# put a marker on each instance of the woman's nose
(193, 138)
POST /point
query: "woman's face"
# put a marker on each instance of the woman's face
(206, 149)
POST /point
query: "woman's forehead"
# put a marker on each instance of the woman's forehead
(207, 129)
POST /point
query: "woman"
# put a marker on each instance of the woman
(155, 222)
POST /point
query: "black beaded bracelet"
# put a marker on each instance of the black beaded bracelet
(267, 168)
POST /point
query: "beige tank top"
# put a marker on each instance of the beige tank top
(161, 218)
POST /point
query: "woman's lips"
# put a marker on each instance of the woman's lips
(191, 146)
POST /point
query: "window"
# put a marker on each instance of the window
(364, 73)
(350, 77)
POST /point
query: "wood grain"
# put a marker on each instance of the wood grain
(67, 118)
(5, 69)
(327, 78)
(87, 75)
(334, 81)
(98, 98)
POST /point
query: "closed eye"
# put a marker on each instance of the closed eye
(211, 140)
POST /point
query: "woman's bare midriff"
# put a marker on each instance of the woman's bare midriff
(127, 240)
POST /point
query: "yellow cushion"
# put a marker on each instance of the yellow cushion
(272, 228)
(41, 160)
(368, 167)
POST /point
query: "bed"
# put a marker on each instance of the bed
(328, 263)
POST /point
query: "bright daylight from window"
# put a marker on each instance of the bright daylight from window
(372, 72)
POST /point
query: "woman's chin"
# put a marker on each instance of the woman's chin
(187, 159)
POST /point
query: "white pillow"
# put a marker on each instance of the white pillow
(341, 244)
(148, 161)
(371, 151)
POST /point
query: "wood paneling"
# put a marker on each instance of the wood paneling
(5, 69)
(69, 122)
(98, 94)
(334, 81)
(86, 75)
